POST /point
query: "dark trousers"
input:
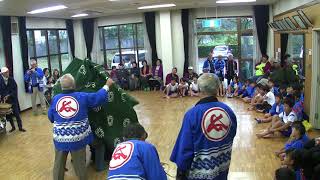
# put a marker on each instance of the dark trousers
(229, 80)
(78, 160)
(16, 114)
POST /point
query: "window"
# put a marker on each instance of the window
(49, 48)
(296, 49)
(223, 36)
(122, 42)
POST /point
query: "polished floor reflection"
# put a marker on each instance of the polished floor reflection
(30, 155)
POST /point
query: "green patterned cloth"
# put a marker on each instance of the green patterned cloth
(108, 121)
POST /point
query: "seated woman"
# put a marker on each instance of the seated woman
(172, 75)
(145, 75)
(281, 125)
(298, 139)
(171, 90)
(276, 109)
(183, 87)
(113, 74)
(123, 76)
(194, 88)
(134, 77)
(156, 82)
(135, 158)
(234, 87)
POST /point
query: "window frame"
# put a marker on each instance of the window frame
(136, 46)
(48, 56)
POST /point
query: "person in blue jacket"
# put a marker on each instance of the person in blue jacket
(204, 145)
(71, 129)
(219, 66)
(135, 158)
(34, 80)
(208, 65)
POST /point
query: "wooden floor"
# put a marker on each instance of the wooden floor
(30, 155)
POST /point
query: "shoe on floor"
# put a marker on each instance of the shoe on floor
(22, 130)
(13, 129)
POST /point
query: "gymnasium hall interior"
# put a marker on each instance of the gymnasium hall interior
(160, 89)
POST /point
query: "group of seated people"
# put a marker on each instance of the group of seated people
(283, 108)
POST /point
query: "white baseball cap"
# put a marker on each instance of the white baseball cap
(4, 69)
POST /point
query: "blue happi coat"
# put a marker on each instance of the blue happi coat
(136, 159)
(69, 115)
(204, 145)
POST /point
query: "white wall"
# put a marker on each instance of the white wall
(120, 19)
(223, 11)
(177, 41)
(45, 23)
(282, 6)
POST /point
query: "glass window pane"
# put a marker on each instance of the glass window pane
(42, 62)
(247, 44)
(113, 58)
(296, 50)
(65, 60)
(53, 42)
(41, 45)
(101, 38)
(111, 37)
(216, 24)
(64, 43)
(246, 23)
(246, 69)
(128, 56)
(30, 43)
(126, 36)
(140, 34)
(54, 60)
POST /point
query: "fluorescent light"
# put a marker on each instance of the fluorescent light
(48, 9)
(234, 1)
(80, 15)
(157, 6)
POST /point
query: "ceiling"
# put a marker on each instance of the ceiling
(98, 8)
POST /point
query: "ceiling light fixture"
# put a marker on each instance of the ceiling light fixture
(157, 6)
(48, 9)
(234, 1)
(80, 15)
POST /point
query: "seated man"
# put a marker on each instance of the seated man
(183, 87)
(123, 77)
(298, 139)
(194, 87)
(190, 75)
(171, 90)
(281, 124)
(135, 158)
(276, 109)
(204, 145)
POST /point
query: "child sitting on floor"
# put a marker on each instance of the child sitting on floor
(194, 88)
(283, 91)
(298, 139)
(291, 161)
(234, 87)
(250, 92)
(171, 90)
(268, 100)
(243, 88)
(273, 88)
(276, 109)
(281, 124)
(258, 97)
(183, 87)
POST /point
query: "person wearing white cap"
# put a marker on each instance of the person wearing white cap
(190, 75)
(9, 94)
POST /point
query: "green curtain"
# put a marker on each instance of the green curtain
(108, 121)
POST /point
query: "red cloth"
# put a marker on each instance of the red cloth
(267, 68)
